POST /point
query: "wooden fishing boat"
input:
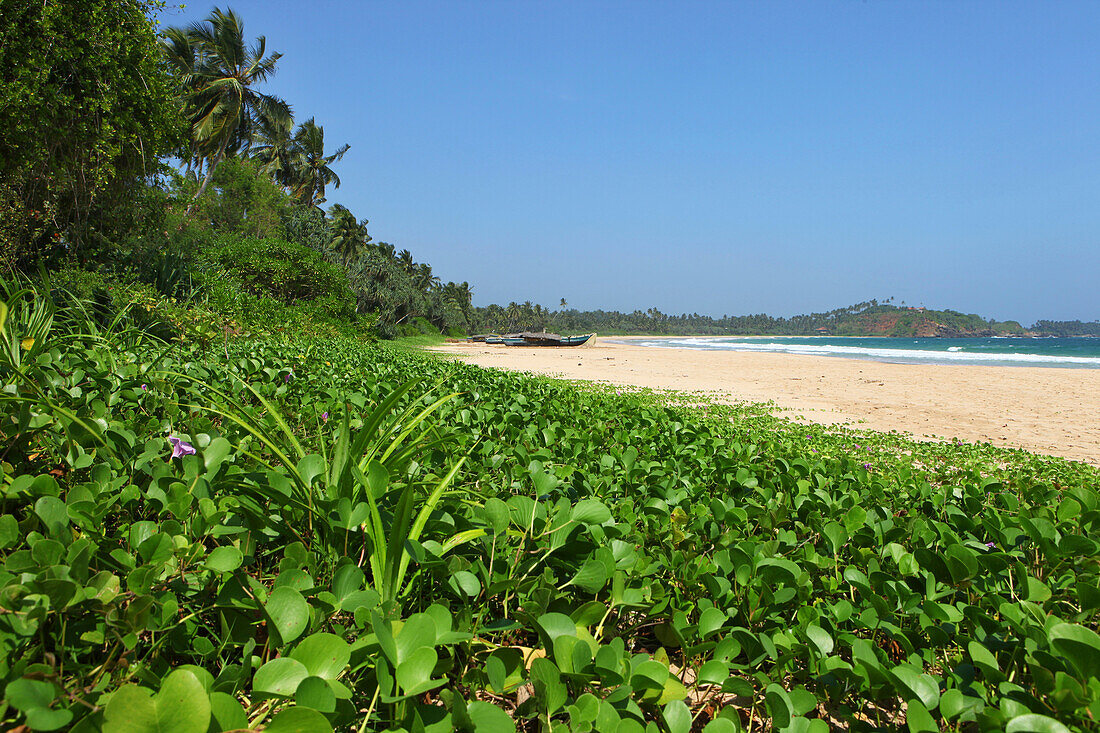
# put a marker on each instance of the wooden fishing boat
(530, 338)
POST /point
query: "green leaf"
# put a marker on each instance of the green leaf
(592, 576)
(47, 719)
(591, 511)
(227, 712)
(181, 706)
(820, 639)
(314, 692)
(919, 719)
(779, 705)
(323, 655)
(836, 536)
(224, 559)
(710, 620)
(549, 687)
(288, 612)
(721, 725)
(414, 675)
(677, 717)
(214, 454)
(466, 583)
(713, 672)
(299, 720)
(9, 531)
(1080, 646)
(310, 467)
(917, 684)
(1034, 723)
(854, 519)
(24, 694)
(54, 515)
(556, 624)
(984, 660)
(488, 718)
(280, 677)
(496, 514)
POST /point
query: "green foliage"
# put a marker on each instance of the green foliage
(274, 267)
(85, 114)
(217, 77)
(239, 201)
(354, 536)
(1067, 328)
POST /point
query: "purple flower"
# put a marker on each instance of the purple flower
(324, 416)
(144, 388)
(866, 465)
(180, 447)
(990, 544)
(286, 379)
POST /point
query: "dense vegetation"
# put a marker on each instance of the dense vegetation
(1067, 328)
(323, 534)
(235, 239)
(862, 319)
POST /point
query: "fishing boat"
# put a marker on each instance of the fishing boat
(530, 338)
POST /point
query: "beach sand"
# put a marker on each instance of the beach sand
(1041, 409)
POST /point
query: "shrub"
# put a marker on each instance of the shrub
(278, 269)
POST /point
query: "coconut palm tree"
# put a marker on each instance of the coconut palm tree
(311, 171)
(218, 74)
(405, 260)
(273, 148)
(349, 236)
(424, 278)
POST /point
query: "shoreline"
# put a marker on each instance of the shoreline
(1047, 410)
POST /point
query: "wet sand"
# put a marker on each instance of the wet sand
(1041, 409)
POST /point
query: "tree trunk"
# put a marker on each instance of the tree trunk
(209, 176)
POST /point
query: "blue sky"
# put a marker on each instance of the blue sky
(726, 157)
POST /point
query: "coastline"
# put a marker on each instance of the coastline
(1044, 410)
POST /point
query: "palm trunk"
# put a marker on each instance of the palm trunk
(208, 178)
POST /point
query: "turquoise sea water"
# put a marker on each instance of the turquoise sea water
(1081, 353)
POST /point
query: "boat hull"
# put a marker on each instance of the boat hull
(564, 341)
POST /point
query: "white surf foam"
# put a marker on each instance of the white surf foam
(865, 352)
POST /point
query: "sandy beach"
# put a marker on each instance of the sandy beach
(1045, 410)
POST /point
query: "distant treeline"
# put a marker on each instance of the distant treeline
(1067, 328)
(869, 318)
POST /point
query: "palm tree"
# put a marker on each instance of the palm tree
(217, 74)
(405, 260)
(349, 235)
(272, 148)
(513, 312)
(311, 171)
(425, 280)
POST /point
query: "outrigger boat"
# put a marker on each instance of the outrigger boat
(529, 338)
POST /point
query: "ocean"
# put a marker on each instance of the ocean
(1081, 353)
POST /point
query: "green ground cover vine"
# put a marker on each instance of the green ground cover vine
(311, 534)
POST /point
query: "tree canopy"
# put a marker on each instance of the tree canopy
(86, 112)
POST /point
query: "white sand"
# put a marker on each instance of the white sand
(1041, 409)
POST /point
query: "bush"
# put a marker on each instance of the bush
(278, 269)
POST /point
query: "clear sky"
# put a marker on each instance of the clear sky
(715, 157)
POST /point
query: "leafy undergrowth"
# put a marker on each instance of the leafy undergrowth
(318, 535)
